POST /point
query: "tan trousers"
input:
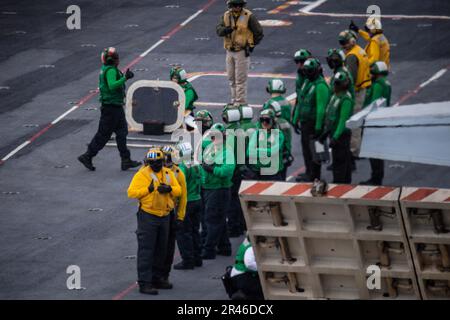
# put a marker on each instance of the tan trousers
(355, 142)
(237, 70)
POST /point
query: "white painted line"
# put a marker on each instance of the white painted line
(312, 6)
(132, 145)
(194, 77)
(64, 115)
(436, 76)
(289, 178)
(153, 47)
(195, 15)
(23, 145)
(357, 15)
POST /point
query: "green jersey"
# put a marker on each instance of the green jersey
(339, 110)
(111, 85)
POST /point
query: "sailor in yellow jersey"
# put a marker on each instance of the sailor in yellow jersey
(377, 48)
(156, 189)
(357, 63)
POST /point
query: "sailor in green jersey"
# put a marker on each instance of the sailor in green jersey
(188, 237)
(310, 114)
(299, 58)
(112, 119)
(218, 166)
(339, 110)
(381, 88)
(179, 76)
(242, 281)
(285, 126)
(276, 89)
(336, 62)
(231, 116)
(265, 149)
(204, 121)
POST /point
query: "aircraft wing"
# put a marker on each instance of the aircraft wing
(413, 133)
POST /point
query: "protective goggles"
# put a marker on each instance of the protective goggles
(265, 120)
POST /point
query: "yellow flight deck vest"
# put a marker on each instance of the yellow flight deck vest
(377, 48)
(363, 77)
(383, 44)
(241, 36)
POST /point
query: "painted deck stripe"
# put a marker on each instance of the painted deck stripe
(297, 190)
(17, 149)
(434, 77)
(419, 194)
(276, 189)
(257, 188)
(377, 193)
(339, 191)
(312, 6)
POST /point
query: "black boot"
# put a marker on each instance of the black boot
(184, 265)
(198, 262)
(128, 163)
(86, 160)
(162, 284)
(147, 288)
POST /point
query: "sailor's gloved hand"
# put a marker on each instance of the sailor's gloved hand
(228, 30)
(164, 188)
(353, 27)
(129, 74)
(208, 167)
(333, 143)
(151, 187)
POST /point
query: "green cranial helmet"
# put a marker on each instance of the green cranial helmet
(179, 74)
(346, 36)
(379, 67)
(230, 114)
(218, 127)
(267, 114)
(276, 86)
(341, 79)
(232, 3)
(337, 54)
(335, 58)
(205, 117)
(311, 67)
(301, 55)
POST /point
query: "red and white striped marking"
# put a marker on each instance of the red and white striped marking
(304, 190)
(426, 195)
